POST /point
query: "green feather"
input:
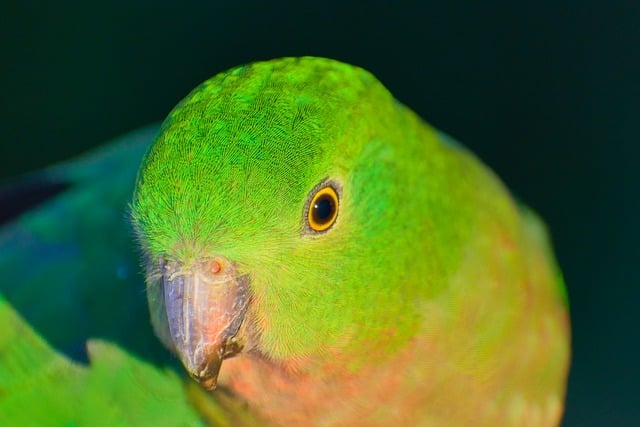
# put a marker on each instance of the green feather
(76, 346)
(434, 299)
(429, 259)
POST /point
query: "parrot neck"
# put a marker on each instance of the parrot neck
(301, 392)
(479, 343)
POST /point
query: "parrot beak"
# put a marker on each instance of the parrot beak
(205, 304)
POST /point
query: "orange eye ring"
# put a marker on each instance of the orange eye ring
(323, 209)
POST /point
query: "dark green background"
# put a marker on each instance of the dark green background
(547, 94)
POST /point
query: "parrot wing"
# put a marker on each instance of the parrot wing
(76, 345)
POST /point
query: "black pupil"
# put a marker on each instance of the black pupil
(323, 209)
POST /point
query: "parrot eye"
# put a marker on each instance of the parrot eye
(322, 209)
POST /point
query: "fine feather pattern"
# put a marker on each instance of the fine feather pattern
(429, 286)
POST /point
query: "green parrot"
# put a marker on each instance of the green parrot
(314, 248)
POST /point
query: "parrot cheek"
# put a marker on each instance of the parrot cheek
(205, 308)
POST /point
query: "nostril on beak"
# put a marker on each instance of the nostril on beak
(215, 266)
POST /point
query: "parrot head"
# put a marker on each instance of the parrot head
(265, 212)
